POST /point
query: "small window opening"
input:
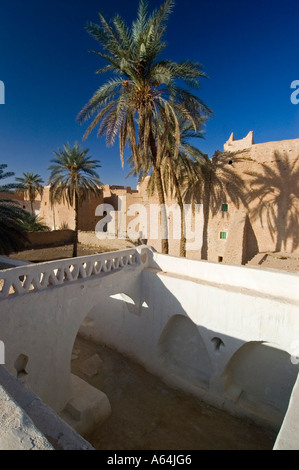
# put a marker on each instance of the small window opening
(20, 366)
(224, 207)
(220, 259)
(218, 343)
(230, 162)
(223, 235)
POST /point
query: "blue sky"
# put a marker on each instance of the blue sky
(249, 50)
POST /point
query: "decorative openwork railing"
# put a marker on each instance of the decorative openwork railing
(37, 277)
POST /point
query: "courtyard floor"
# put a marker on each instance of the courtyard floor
(149, 415)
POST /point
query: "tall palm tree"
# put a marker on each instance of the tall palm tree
(73, 176)
(179, 172)
(144, 89)
(12, 236)
(183, 171)
(32, 184)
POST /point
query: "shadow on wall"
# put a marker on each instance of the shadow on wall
(258, 379)
(270, 195)
(218, 182)
(275, 193)
(182, 350)
(260, 375)
(250, 243)
(254, 379)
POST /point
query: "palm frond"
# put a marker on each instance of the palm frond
(12, 236)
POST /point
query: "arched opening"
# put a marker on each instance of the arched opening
(144, 408)
(182, 350)
(20, 366)
(260, 377)
(89, 406)
(127, 302)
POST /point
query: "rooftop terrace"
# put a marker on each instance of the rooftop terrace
(222, 334)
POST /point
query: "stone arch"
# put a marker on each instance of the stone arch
(260, 377)
(89, 406)
(182, 350)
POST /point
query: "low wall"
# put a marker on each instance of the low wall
(53, 238)
(7, 263)
(17, 430)
(41, 309)
(34, 424)
(288, 436)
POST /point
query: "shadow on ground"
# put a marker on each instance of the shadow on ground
(148, 415)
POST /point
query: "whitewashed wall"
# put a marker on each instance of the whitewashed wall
(224, 333)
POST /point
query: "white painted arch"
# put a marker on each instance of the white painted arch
(221, 308)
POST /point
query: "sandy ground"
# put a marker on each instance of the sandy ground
(147, 414)
(280, 261)
(61, 252)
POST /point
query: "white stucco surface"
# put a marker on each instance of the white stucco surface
(17, 431)
(27, 423)
(224, 333)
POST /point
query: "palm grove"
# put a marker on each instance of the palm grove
(150, 104)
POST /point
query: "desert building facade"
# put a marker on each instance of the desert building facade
(22, 199)
(248, 204)
(62, 215)
(237, 351)
(260, 206)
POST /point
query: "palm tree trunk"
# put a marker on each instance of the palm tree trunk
(164, 222)
(183, 236)
(54, 221)
(181, 206)
(31, 196)
(206, 215)
(161, 196)
(75, 245)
